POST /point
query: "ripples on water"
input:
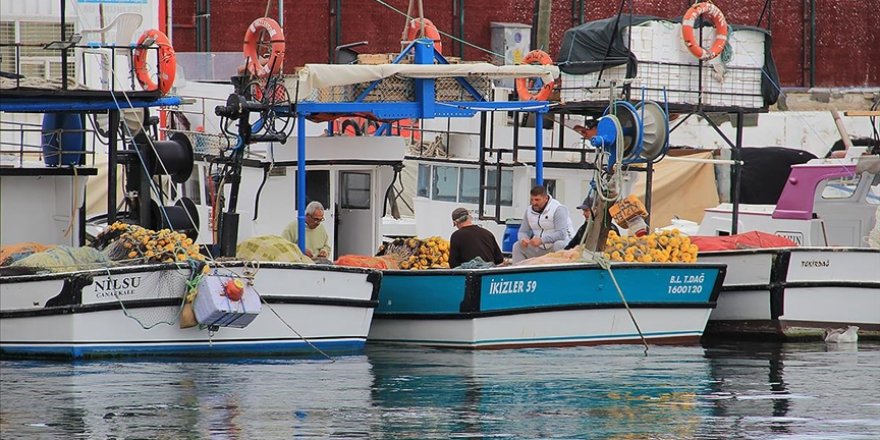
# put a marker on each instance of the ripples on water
(749, 391)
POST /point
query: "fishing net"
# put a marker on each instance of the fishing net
(270, 248)
(171, 284)
(367, 261)
(64, 259)
(417, 254)
(11, 253)
(122, 242)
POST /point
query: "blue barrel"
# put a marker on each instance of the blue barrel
(510, 233)
(55, 144)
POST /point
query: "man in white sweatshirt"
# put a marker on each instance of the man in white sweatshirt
(546, 227)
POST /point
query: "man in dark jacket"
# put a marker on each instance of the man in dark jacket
(587, 208)
(471, 241)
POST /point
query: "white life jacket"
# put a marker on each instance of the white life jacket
(542, 222)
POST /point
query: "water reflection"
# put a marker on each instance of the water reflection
(793, 389)
(581, 393)
(750, 391)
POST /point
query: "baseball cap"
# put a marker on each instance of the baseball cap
(459, 214)
(588, 202)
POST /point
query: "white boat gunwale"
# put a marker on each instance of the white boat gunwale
(69, 299)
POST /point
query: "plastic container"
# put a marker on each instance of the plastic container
(57, 145)
(212, 307)
(510, 234)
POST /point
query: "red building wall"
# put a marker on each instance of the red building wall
(847, 35)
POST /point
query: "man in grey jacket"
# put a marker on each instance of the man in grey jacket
(546, 227)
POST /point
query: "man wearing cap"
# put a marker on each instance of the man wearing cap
(546, 227)
(587, 208)
(471, 241)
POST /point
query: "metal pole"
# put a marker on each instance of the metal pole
(734, 226)
(112, 139)
(812, 43)
(63, 39)
(281, 13)
(539, 148)
(649, 189)
(301, 181)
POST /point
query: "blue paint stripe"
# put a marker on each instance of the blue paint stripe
(218, 348)
(611, 338)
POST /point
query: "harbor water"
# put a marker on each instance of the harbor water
(743, 390)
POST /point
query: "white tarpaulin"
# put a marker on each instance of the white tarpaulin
(318, 76)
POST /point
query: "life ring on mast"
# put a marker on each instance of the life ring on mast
(413, 31)
(263, 65)
(166, 63)
(523, 84)
(718, 21)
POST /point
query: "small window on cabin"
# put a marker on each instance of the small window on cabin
(355, 190)
(191, 189)
(469, 190)
(841, 187)
(506, 187)
(424, 181)
(550, 184)
(445, 184)
(317, 188)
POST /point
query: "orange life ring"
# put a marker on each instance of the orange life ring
(690, 39)
(524, 84)
(167, 62)
(414, 30)
(263, 65)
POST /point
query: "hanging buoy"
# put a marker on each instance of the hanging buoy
(718, 21)
(523, 85)
(166, 63)
(233, 289)
(414, 31)
(264, 64)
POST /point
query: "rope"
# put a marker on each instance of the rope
(441, 32)
(298, 334)
(604, 263)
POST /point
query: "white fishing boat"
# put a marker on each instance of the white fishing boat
(828, 208)
(101, 308)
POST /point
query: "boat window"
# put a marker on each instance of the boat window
(318, 186)
(469, 190)
(355, 190)
(506, 187)
(192, 188)
(841, 187)
(424, 185)
(445, 183)
(549, 183)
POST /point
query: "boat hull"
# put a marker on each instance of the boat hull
(561, 305)
(134, 311)
(795, 294)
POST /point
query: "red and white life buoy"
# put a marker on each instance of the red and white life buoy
(690, 38)
(523, 85)
(414, 30)
(264, 64)
(166, 63)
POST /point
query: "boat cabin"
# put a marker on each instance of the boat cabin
(825, 202)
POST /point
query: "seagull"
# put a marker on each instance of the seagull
(851, 334)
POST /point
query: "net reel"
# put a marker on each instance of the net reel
(640, 131)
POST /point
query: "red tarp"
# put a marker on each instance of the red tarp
(747, 240)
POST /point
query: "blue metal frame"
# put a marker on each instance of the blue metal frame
(43, 104)
(425, 106)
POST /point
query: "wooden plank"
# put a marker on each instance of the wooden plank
(862, 113)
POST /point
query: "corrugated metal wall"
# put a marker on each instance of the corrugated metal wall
(847, 36)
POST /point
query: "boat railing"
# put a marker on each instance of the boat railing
(22, 142)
